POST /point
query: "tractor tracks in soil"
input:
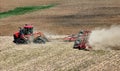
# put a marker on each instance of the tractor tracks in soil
(55, 56)
(101, 62)
(56, 60)
(48, 55)
(28, 48)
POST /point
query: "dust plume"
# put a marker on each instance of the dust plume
(105, 38)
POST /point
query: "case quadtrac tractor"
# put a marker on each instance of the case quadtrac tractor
(26, 35)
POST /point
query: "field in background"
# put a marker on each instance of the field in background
(24, 10)
(69, 16)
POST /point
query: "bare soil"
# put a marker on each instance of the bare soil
(69, 16)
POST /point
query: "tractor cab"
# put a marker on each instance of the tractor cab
(28, 29)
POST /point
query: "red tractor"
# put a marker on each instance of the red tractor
(82, 41)
(26, 35)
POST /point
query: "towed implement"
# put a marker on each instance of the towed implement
(81, 42)
(25, 35)
(70, 38)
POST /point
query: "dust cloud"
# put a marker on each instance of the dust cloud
(103, 38)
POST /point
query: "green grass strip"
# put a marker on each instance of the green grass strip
(24, 10)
